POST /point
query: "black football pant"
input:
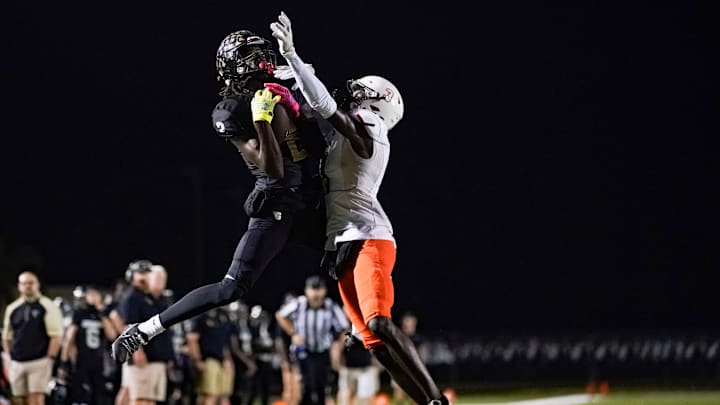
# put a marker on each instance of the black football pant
(315, 370)
(262, 242)
(258, 385)
(87, 385)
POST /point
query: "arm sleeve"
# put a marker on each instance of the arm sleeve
(312, 88)
(53, 318)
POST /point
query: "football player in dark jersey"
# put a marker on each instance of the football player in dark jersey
(87, 338)
(265, 123)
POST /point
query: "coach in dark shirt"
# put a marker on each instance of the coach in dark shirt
(145, 375)
(32, 329)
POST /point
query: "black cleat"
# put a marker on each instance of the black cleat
(128, 343)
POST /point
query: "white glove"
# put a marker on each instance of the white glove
(282, 30)
(285, 72)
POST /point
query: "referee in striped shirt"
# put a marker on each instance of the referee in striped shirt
(314, 321)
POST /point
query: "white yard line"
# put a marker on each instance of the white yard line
(578, 399)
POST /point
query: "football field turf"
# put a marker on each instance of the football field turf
(620, 397)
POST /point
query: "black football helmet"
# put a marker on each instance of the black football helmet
(243, 53)
(59, 391)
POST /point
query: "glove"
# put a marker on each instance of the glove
(286, 98)
(282, 31)
(328, 262)
(262, 105)
(284, 72)
(350, 340)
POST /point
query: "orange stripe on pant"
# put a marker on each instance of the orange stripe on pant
(367, 289)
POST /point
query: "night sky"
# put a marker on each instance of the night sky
(553, 169)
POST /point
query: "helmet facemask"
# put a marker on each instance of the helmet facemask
(361, 93)
(252, 59)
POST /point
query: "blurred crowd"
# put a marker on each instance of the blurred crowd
(57, 350)
(300, 352)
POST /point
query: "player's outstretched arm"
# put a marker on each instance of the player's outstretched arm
(315, 91)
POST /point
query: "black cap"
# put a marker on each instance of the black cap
(142, 266)
(314, 282)
(139, 266)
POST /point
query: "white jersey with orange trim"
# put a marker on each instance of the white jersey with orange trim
(353, 210)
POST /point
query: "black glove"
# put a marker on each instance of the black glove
(350, 340)
(345, 257)
(328, 262)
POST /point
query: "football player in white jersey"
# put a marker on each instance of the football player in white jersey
(359, 232)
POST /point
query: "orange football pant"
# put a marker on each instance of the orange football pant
(367, 288)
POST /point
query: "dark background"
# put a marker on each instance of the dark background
(554, 167)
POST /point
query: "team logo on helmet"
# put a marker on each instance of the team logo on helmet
(388, 94)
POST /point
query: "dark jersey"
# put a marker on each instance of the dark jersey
(90, 339)
(137, 306)
(161, 346)
(29, 325)
(215, 330)
(233, 117)
(261, 336)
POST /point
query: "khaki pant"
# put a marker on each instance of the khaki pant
(30, 377)
(362, 383)
(148, 383)
(214, 380)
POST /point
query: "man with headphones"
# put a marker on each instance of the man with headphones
(145, 375)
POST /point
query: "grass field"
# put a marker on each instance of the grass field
(621, 397)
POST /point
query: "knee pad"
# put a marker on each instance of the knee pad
(380, 326)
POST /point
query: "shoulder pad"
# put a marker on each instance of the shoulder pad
(232, 116)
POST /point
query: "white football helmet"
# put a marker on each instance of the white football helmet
(377, 94)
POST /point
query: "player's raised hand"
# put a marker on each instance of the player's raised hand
(282, 31)
(262, 105)
(286, 98)
(284, 72)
